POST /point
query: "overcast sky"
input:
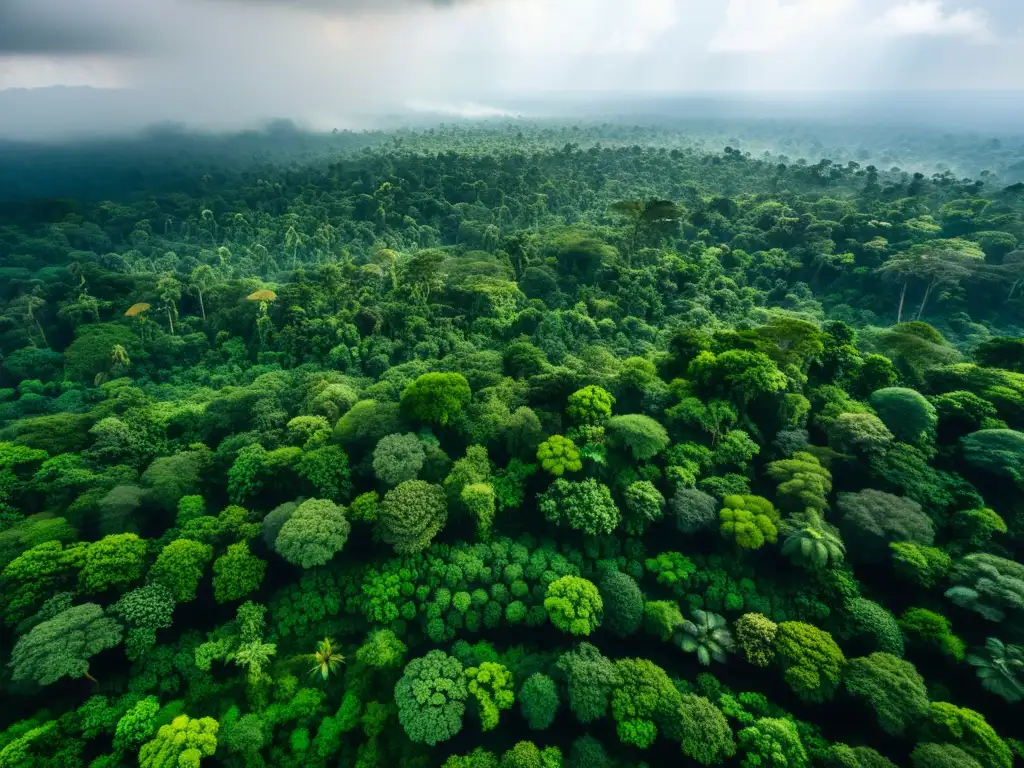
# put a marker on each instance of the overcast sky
(321, 59)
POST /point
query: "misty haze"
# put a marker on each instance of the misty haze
(511, 383)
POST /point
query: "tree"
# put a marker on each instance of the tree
(803, 482)
(936, 263)
(858, 433)
(478, 758)
(1006, 352)
(1001, 669)
(662, 618)
(647, 216)
(202, 278)
(169, 478)
(398, 458)
(641, 435)
(810, 541)
(738, 375)
(479, 500)
(559, 455)
(538, 701)
(149, 607)
(574, 605)
(526, 754)
(941, 756)
(924, 566)
(590, 678)
(327, 470)
(169, 290)
(326, 659)
(411, 515)
(237, 573)
(137, 725)
(62, 646)
(844, 756)
(242, 734)
(115, 560)
(715, 417)
(876, 372)
(873, 625)
(735, 449)
(587, 752)
(704, 732)
(591, 405)
(907, 414)
(181, 744)
(491, 685)
(914, 348)
(179, 567)
(255, 656)
(436, 398)
(643, 701)
(891, 686)
(382, 650)
(811, 661)
(997, 451)
(584, 506)
(623, 602)
(316, 531)
(774, 742)
(930, 628)
(988, 584)
(708, 634)
(968, 730)
(875, 519)
(976, 527)
(644, 506)
(694, 510)
(366, 422)
(749, 521)
(431, 698)
(755, 635)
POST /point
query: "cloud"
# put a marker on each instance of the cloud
(929, 18)
(769, 25)
(60, 27)
(75, 27)
(229, 63)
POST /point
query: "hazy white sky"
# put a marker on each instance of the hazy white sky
(323, 57)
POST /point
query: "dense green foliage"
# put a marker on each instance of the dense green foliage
(528, 446)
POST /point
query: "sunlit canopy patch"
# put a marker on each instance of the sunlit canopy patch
(264, 295)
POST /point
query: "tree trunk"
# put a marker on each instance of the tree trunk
(42, 333)
(633, 241)
(90, 677)
(899, 312)
(924, 300)
(170, 320)
(202, 308)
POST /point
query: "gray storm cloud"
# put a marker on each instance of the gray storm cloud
(329, 63)
(62, 27)
(123, 26)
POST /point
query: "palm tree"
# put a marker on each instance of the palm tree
(326, 658)
(255, 655)
(810, 541)
(202, 278)
(1000, 669)
(708, 634)
(293, 239)
(207, 215)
